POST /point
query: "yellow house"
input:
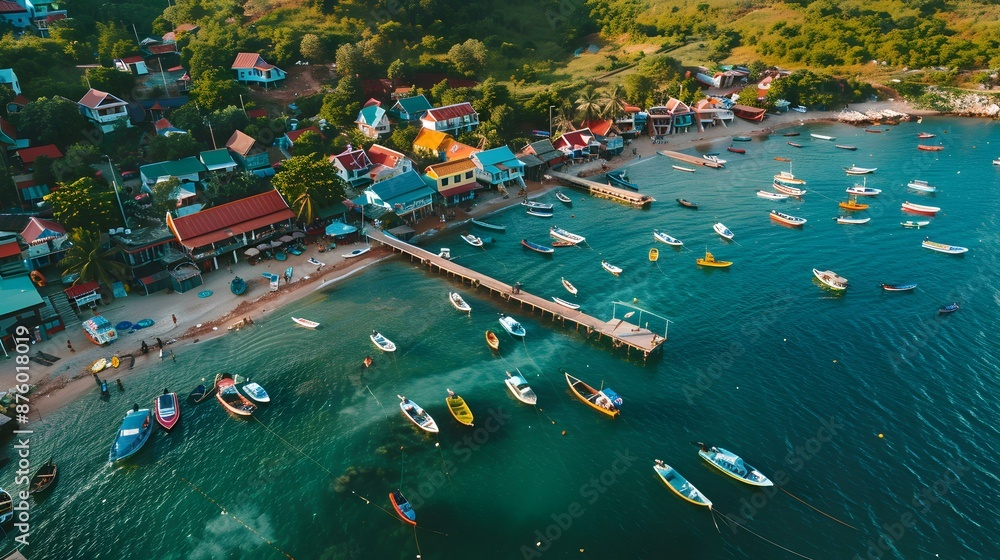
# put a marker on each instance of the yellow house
(453, 180)
(432, 143)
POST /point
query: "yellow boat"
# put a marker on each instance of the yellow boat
(99, 365)
(852, 204)
(605, 401)
(458, 408)
(654, 254)
(492, 341)
(709, 260)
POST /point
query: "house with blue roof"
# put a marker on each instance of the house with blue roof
(373, 121)
(410, 109)
(498, 166)
(403, 194)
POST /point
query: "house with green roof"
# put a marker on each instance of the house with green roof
(372, 120)
(498, 166)
(217, 161)
(403, 194)
(188, 169)
(22, 306)
(410, 109)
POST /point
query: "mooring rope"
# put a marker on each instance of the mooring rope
(765, 539)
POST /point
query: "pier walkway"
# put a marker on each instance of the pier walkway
(600, 190)
(621, 332)
(693, 160)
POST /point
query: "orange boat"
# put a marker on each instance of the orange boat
(231, 399)
(604, 401)
(403, 508)
(927, 148)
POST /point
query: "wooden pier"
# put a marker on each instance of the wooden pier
(599, 190)
(621, 332)
(693, 160)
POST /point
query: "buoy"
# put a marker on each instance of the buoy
(437, 444)
(880, 436)
(835, 361)
(564, 432)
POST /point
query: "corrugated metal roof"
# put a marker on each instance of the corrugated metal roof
(228, 220)
(449, 168)
(449, 112)
(81, 289)
(28, 155)
(97, 98)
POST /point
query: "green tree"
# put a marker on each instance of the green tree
(165, 195)
(51, 121)
(111, 80)
(350, 59)
(220, 190)
(92, 259)
(341, 106)
(402, 138)
(215, 89)
(614, 102)
(108, 36)
(83, 204)
(169, 148)
(311, 48)
(308, 143)
(468, 57)
(397, 70)
(308, 182)
(588, 105)
(639, 89)
(748, 97)
(187, 117)
(226, 121)
(76, 163)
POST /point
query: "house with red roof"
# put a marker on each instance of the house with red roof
(103, 109)
(288, 140)
(220, 233)
(671, 118)
(578, 144)
(451, 119)
(352, 165)
(16, 104)
(46, 240)
(42, 13)
(386, 163)
(15, 14)
(251, 68)
(164, 128)
(607, 135)
(134, 64)
(29, 155)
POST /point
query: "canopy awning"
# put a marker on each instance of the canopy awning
(340, 228)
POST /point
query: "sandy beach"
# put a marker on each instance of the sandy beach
(200, 319)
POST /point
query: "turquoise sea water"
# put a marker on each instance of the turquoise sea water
(760, 360)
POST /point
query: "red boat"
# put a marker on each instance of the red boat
(167, 410)
(748, 113)
(736, 150)
(925, 135)
(231, 399)
(873, 130)
(403, 508)
(927, 148)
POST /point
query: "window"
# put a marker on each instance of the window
(468, 174)
(457, 178)
(444, 182)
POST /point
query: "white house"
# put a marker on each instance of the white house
(373, 121)
(386, 163)
(451, 119)
(103, 109)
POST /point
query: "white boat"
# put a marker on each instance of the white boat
(511, 325)
(536, 205)
(920, 209)
(305, 322)
(539, 213)
(255, 392)
(456, 300)
(943, 248)
(664, 238)
(611, 268)
(996, 161)
(850, 220)
(831, 279)
(680, 485)
(685, 169)
(855, 170)
(472, 239)
(788, 178)
(915, 223)
(723, 231)
(569, 287)
(382, 342)
(863, 189)
(823, 137)
(772, 196)
(563, 198)
(714, 158)
(787, 219)
(566, 236)
(787, 189)
(488, 225)
(921, 186)
(356, 253)
(733, 465)
(520, 389)
(799, 108)
(565, 303)
(417, 415)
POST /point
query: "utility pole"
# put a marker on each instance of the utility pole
(114, 181)
(550, 122)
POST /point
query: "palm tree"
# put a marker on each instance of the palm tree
(304, 209)
(88, 257)
(614, 102)
(589, 105)
(563, 121)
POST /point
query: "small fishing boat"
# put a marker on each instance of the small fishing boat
(357, 253)
(921, 186)
(710, 261)
(779, 158)
(564, 235)
(787, 178)
(167, 410)
(368, 361)
(732, 465)
(950, 308)
(925, 135)
(538, 213)
(43, 479)
(133, 434)
(788, 189)
(383, 343)
(687, 203)
(238, 286)
(520, 389)
(511, 325)
(926, 148)
(486, 225)
(794, 144)
(684, 169)
(846, 147)
(458, 408)
(943, 247)
(920, 209)
(996, 161)
(197, 395)
(790, 134)
(569, 287)
(536, 205)
(799, 109)
(723, 231)
(850, 220)
(916, 224)
(664, 238)
(305, 322)
(417, 415)
(563, 198)
(402, 507)
(772, 196)
(620, 179)
(897, 287)
(736, 150)
(679, 485)
(852, 204)
(566, 304)
(874, 130)
(714, 158)
(611, 268)
(492, 341)
(458, 303)
(561, 243)
(231, 399)
(605, 401)
(472, 239)
(255, 392)
(830, 279)
(536, 247)
(855, 170)
(863, 190)
(742, 138)
(654, 254)
(822, 136)
(787, 219)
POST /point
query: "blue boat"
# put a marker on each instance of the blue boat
(733, 465)
(620, 179)
(950, 308)
(238, 286)
(144, 324)
(133, 434)
(537, 248)
(897, 287)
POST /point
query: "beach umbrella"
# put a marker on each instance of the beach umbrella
(276, 244)
(251, 252)
(298, 234)
(264, 247)
(286, 239)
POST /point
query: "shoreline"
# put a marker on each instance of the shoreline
(203, 320)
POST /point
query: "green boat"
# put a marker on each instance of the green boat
(741, 139)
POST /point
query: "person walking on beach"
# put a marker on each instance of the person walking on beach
(69, 344)
(174, 317)
(159, 344)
